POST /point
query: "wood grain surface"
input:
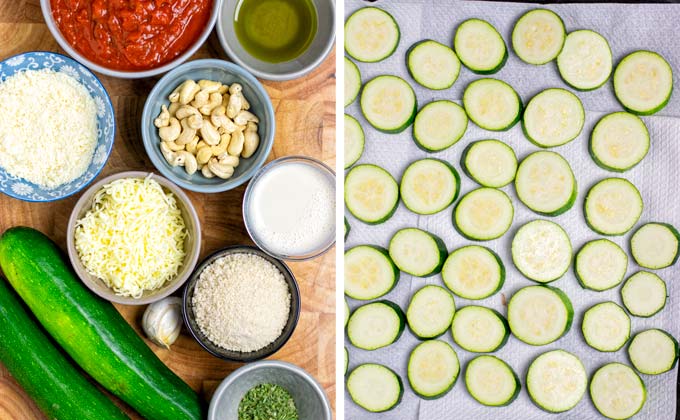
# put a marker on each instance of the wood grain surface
(305, 121)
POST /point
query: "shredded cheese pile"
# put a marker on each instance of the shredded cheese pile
(133, 236)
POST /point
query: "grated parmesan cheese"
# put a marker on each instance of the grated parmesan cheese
(48, 127)
(133, 236)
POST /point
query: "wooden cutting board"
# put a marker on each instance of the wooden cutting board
(305, 122)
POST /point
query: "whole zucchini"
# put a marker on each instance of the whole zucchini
(91, 330)
(43, 372)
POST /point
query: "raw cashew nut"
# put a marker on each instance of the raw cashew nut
(244, 117)
(168, 154)
(218, 117)
(201, 144)
(187, 133)
(251, 140)
(191, 146)
(235, 104)
(172, 109)
(170, 132)
(190, 164)
(206, 172)
(187, 92)
(195, 122)
(222, 171)
(246, 104)
(236, 144)
(186, 111)
(174, 146)
(235, 88)
(210, 86)
(163, 119)
(223, 89)
(227, 159)
(222, 147)
(204, 154)
(214, 101)
(209, 134)
(200, 99)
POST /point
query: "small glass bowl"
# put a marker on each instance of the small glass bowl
(324, 169)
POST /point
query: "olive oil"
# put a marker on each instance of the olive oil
(275, 31)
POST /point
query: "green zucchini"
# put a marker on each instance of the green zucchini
(643, 82)
(538, 36)
(480, 47)
(417, 252)
(617, 391)
(91, 330)
(433, 369)
(556, 381)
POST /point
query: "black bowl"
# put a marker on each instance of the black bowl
(237, 356)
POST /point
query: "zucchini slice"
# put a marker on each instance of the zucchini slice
(491, 381)
(585, 62)
(492, 104)
(617, 391)
(429, 186)
(538, 36)
(490, 163)
(613, 206)
(479, 46)
(352, 81)
(433, 65)
(644, 294)
(348, 228)
(483, 214)
(655, 245)
(619, 141)
(539, 315)
(389, 103)
(556, 381)
(433, 369)
(375, 388)
(553, 117)
(354, 141)
(473, 272)
(546, 184)
(643, 82)
(347, 311)
(439, 125)
(417, 252)
(375, 325)
(430, 312)
(369, 272)
(606, 327)
(479, 330)
(653, 352)
(371, 193)
(541, 250)
(346, 360)
(600, 265)
(371, 35)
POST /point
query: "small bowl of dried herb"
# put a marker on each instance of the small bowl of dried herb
(269, 389)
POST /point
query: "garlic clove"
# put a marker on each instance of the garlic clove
(162, 321)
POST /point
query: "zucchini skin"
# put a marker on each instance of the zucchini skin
(91, 330)
(41, 369)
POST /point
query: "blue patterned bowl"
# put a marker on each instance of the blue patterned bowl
(24, 190)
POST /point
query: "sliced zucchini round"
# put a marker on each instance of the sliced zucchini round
(490, 163)
(483, 214)
(538, 36)
(553, 117)
(433, 65)
(479, 330)
(541, 250)
(653, 352)
(643, 82)
(479, 46)
(491, 381)
(352, 81)
(346, 360)
(371, 193)
(375, 388)
(655, 245)
(369, 272)
(473, 272)
(546, 184)
(430, 312)
(606, 327)
(613, 206)
(347, 311)
(371, 35)
(354, 141)
(348, 228)
(619, 141)
(375, 325)
(439, 125)
(585, 62)
(556, 381)
(600, 265)
(417, 252)
(539, 315)
(429, 186)
(492, 104)
(433, 369)
(389, 103)
(617, 391)
(644, 294)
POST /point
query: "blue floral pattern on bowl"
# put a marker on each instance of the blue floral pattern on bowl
(24, 190)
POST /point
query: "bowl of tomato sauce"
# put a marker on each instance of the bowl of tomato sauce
(130, 38)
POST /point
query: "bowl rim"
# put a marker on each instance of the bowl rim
(278, 77)
(46, 9)
(232, 249)
(243, 370)
(82, 202)
(110, 108)
(227, 184)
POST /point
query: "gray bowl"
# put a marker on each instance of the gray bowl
(309, 397)
(317, 51)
